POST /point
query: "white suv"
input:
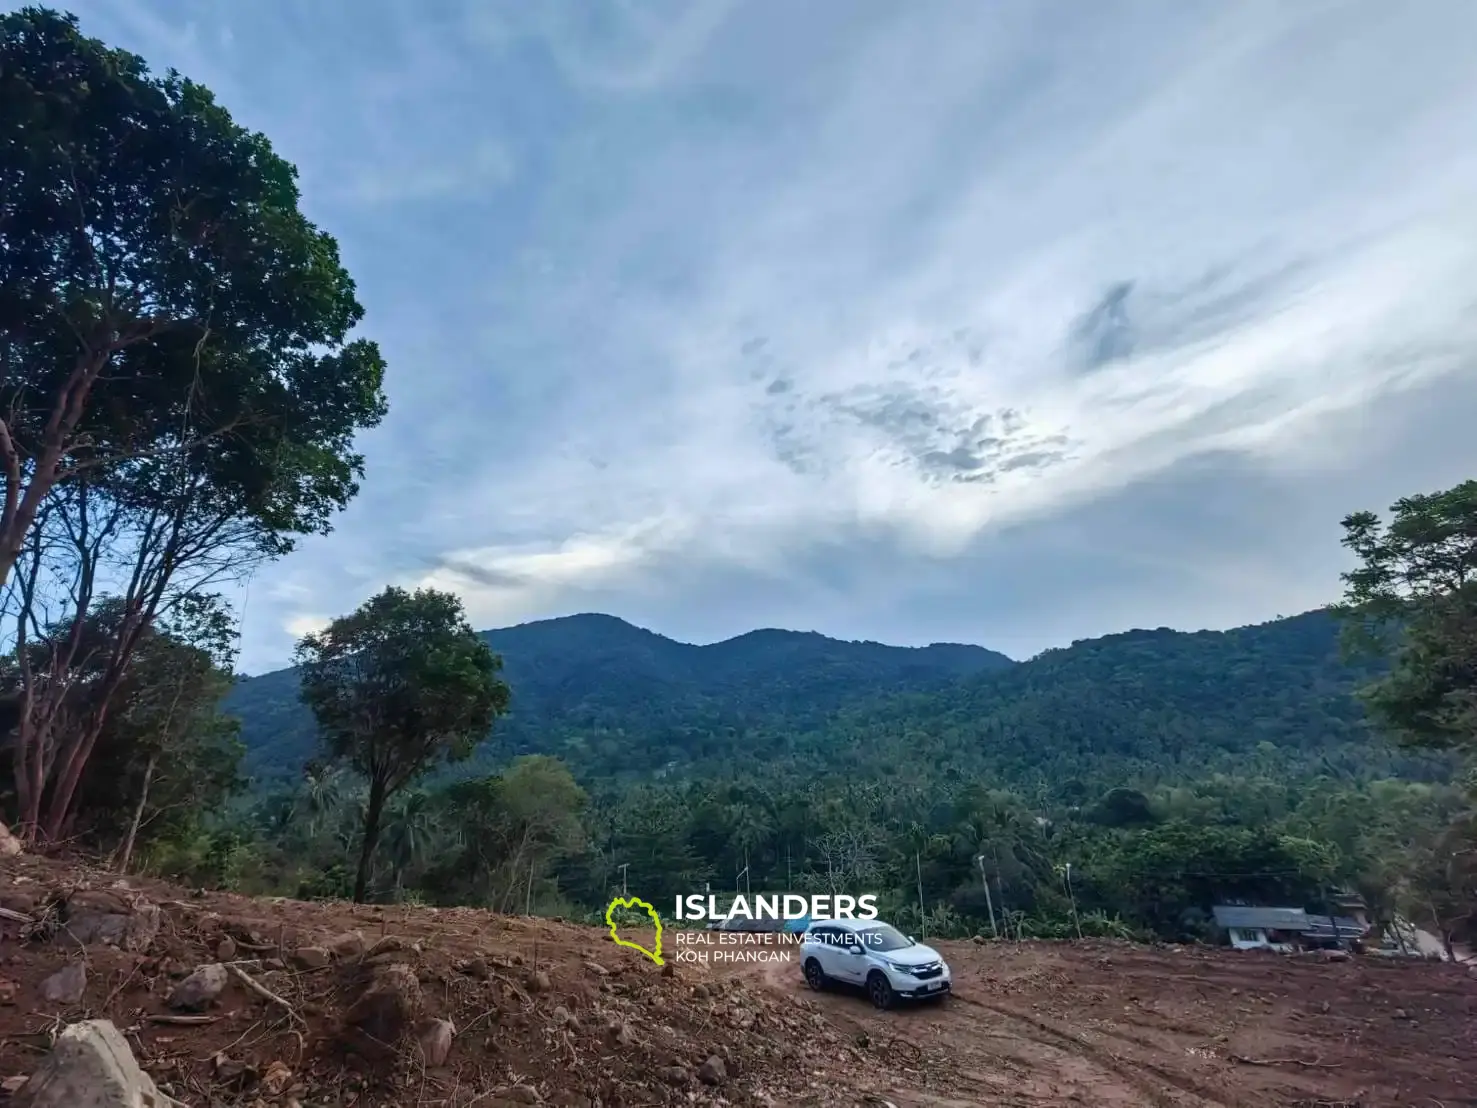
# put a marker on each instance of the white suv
(870, 953)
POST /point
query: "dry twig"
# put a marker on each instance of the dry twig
(266, 993)
(1283, 1062)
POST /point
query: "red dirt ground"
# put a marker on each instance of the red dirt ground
(1038, 1024)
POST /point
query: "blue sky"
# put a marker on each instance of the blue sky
(1009, 322)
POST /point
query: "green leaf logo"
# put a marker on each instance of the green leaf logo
(635, 902)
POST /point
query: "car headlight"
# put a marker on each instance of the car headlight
(900, 968)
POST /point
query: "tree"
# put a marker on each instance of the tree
(511, 828)
(167, 755)
(178, 392)
(1414, 595)
(401, 683)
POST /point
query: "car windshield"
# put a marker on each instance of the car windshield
(882, 939)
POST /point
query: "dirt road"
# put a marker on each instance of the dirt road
(1117, 1025)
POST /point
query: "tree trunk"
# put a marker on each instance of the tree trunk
(18, 507)
(138, 815)
(371, 836)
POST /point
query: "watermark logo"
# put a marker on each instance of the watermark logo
(787, 906)
(635, 903)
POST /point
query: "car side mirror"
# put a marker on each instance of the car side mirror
(912, 940)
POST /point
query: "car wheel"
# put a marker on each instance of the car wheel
(815, 977)
(880, 990)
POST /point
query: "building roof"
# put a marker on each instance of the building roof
(1271, 919)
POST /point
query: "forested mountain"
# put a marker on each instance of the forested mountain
(619, 700)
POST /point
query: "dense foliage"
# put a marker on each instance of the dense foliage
(1170, 770)
(179, 392)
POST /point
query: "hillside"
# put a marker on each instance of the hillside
(616, 701)
(1150, 706)
(622, 699)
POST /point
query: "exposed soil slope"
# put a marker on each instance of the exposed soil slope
(546, 1012)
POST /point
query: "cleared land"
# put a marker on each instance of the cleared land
(549, 1010)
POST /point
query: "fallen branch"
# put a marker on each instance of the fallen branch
(265, 993)
(15, 917)
(1283, 1062)
(183, 1021)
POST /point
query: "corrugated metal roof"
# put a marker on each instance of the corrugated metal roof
(1342, 925)
(1274, 919)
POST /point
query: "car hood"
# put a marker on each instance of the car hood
(916, 955)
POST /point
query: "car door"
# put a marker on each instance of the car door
(827, 949)
(851, 962)
(821, 942)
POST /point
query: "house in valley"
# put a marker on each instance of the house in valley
(1251, 927)
(1247, 927)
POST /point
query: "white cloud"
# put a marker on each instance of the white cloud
(300, 625)
(1244, 160)
(754, 292)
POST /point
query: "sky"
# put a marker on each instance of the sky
(1012, 322)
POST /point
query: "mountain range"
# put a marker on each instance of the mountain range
(594, 679)
(617, 702)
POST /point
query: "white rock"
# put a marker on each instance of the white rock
(91, 1067)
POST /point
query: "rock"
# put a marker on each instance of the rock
(12, 1085)
(310, 957)
(225, 950)
(563, 1017)
(1400, 1014)
(10, 846)
(277, 1078)
(713, 1071)
(619, 1033)
(699, 991)
(200, 989)
(387, 1007)
(66, 985)
(233, 1071)
(538, 982)
(385, 944)
(111, 920)
(90, 1067)
(676, 1075)
(435, 1038)
(597, 969)
(350, 944)
(478, 968)
(8, 989)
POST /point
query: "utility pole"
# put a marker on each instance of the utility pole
(989, 901)
(1071, 896)
(1000, 888)
(922, 913)
(623, 867)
